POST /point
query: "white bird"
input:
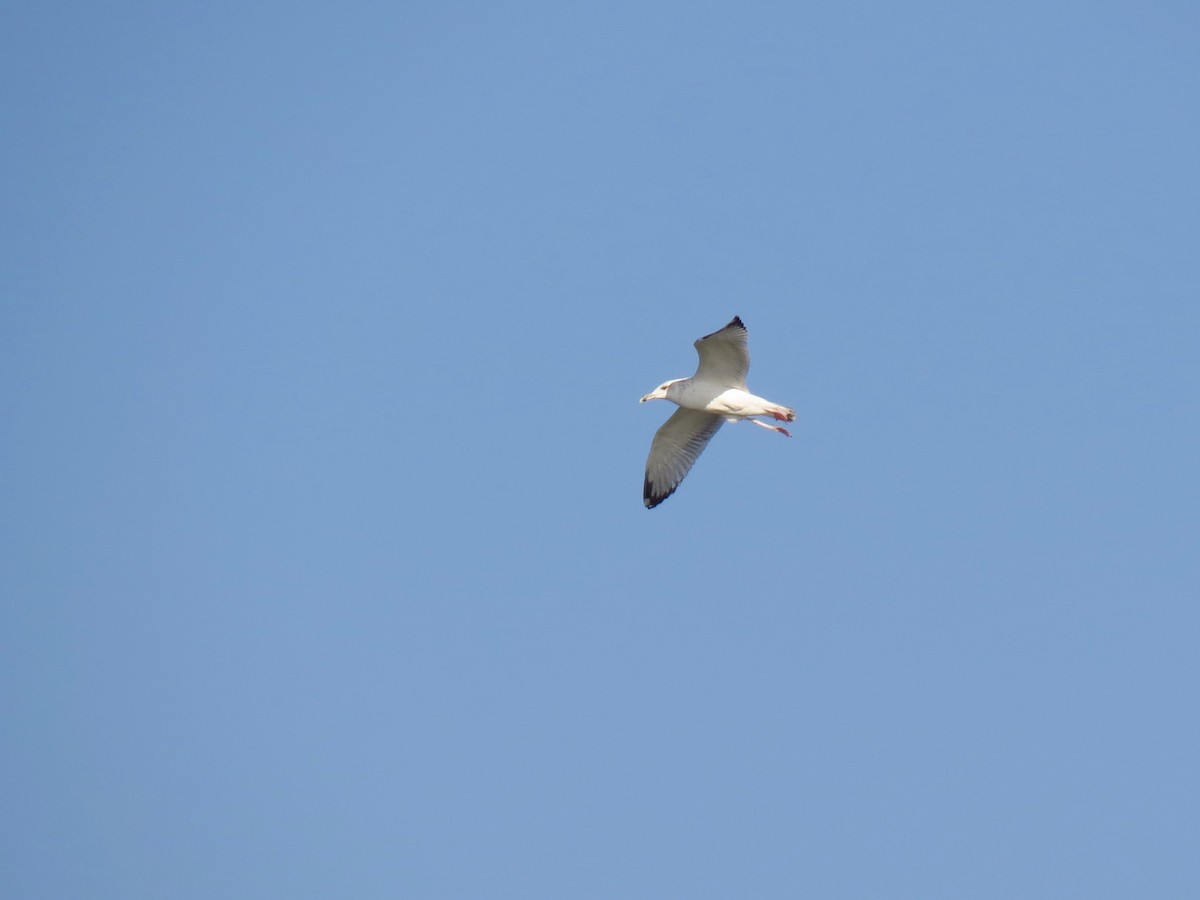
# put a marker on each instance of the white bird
(714, 395)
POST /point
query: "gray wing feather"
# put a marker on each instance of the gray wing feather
(676, 447)
(724, 356)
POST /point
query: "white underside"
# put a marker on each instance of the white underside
(732, 403)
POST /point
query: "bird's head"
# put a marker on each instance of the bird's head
(663, 391)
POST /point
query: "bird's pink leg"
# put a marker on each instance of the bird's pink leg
(782, 431)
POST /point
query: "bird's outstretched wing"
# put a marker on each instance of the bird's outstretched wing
(724, 356)
(676, 447)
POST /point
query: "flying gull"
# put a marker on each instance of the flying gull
(716, 394)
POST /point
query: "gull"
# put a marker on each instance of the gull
(716, 394)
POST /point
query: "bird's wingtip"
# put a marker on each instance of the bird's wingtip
(650, 497)
(735, 322)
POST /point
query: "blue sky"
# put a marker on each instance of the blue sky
(325, 566)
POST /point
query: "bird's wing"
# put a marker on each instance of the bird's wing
(677, 445)
(724, 356)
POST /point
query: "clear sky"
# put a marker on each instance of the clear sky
(324, 564)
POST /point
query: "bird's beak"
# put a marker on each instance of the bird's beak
(647, 397)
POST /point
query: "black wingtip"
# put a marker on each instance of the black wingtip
(736, 322)
(650, 498)
(648, 495)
